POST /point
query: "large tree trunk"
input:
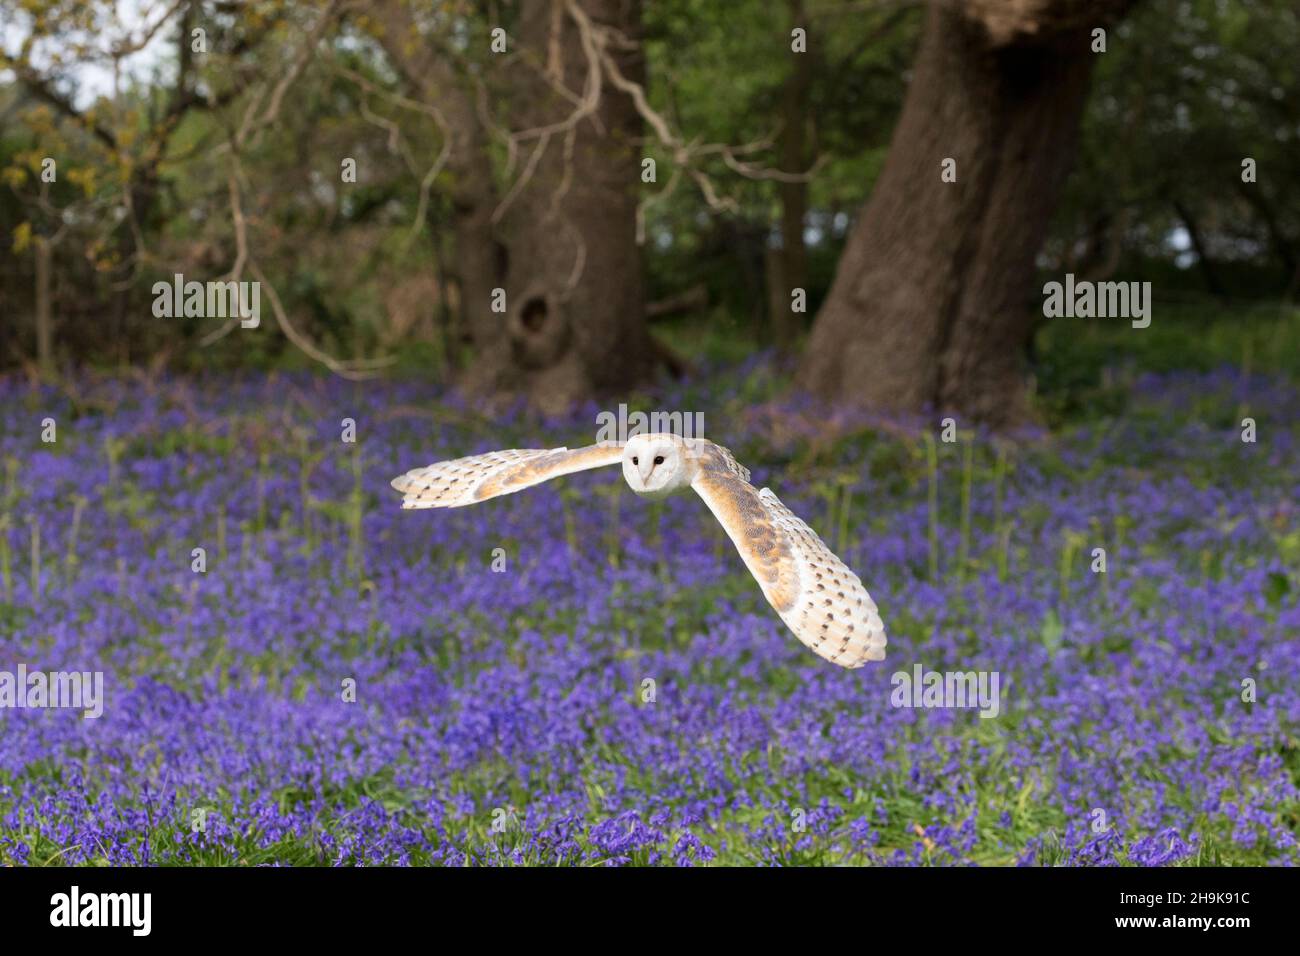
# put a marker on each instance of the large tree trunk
(575, 320)
(929, 304)
(479, 258)
(791, 270)
(566, 251)
(44, 313)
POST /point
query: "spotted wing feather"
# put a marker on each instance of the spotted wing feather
(832, 613)
(814, 592)
(466, 481)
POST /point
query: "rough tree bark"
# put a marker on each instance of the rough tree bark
(575, 321)
(44, 317)
(479, 258)
(792, 264)
(928, 307)
(563, 245)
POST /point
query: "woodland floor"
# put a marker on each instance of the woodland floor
(517, 697)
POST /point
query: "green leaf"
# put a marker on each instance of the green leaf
(1051, 632)
(1276, 588)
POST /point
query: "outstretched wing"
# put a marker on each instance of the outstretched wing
(464, 481)
(815, 593)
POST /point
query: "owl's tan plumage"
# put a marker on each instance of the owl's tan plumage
(814, 592)
(466, 481)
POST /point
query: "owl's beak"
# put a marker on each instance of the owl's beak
(645, 470)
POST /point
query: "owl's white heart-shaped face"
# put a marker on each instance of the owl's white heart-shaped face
(655, 466)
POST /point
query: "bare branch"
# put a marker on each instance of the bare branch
(125, 47)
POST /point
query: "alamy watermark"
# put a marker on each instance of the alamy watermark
(618, 427)
(208, 300)
(1103, 300)
(957, 689)
(78, 690)
(75, 908)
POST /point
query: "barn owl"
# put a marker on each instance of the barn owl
(816, 595)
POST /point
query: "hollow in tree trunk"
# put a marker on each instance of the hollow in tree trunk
(575, 304)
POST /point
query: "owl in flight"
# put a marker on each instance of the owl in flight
(812, 590)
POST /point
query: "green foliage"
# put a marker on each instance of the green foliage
(1183, 94)
(1086, 368)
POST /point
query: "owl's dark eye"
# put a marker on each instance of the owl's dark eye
(634, 461)
(659, 459)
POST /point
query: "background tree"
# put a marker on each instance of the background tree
(1219, 87)
(928, 304)
(521, 170)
